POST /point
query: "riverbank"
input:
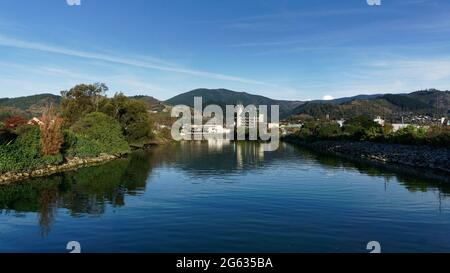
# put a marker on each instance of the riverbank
(70, 165)
(426, 157)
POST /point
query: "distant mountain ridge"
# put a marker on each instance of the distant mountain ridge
(32, 106)
(27, 106)
(425, 102)
(26, 102)
(430, 102)
(152, 103)
(223, 97)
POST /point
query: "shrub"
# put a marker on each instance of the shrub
(51, 132)
(362, 128)
(438, 136)
(328, 130)
(353, 131)
(15, 122)
(94, 134)
(77, 145)
(24, 153)
(362, 121)
(409, 135)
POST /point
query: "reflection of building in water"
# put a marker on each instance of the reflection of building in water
(249, 154)
(269, 146)
(217, 144)
(239, 157)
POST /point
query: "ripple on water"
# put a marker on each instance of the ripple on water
(188, 198)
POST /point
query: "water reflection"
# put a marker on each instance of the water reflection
(413, 179)
(92, 190)
(85, 191)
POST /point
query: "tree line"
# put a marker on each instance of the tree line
(364, 128)
(86, 124)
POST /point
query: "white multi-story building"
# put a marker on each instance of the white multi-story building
(246, 120)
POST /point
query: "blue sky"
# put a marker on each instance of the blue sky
(281, 49)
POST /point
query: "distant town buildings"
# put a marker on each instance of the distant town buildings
(290, 127)
(241, 120)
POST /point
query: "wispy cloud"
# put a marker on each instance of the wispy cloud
(426, 70)
(287, 18)
(17, 43)
(382, 24)
(393, 75)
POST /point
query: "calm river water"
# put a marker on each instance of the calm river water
(227, 198)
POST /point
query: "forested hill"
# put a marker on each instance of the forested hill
(427, 102)
(31, 106)
(223, 97)
(391, 106)
(27, 106)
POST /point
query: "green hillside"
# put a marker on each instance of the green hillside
(223, 97)
(27, 106)
(428, 102)
(152, 103)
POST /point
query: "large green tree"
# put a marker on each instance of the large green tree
(81, 100)
(132, 116)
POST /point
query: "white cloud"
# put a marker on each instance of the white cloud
(16, 43)
(328, 97)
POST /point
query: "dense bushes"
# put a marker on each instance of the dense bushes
(408, 135)
(94, 134)
(438, 136)
(24, 153)
(362, 128)
(435, 136)
(88, 124)
(132, 116)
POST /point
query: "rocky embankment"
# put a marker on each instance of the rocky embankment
(411, 155)
(71, 164)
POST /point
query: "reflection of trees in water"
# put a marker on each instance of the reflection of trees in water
(413, 179)
(90, 190)
(85, 191)
(48, 204)
(241, 157)
(205, 160)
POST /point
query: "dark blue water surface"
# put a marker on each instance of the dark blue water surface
(227, 198)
